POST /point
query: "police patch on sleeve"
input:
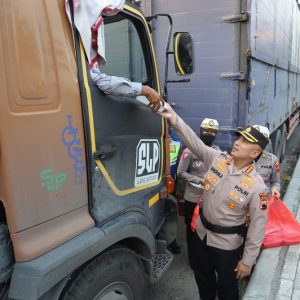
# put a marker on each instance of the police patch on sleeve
(277, 166)
(263, 201)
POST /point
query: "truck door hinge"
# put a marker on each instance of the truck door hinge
(242, 17)
(233, 75)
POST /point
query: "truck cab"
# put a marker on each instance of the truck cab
(84, 176)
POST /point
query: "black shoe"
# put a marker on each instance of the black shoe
(174, 247)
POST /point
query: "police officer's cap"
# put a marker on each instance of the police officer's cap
(210, 124)
(264, 130)
(254, 136)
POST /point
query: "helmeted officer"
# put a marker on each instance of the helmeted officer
(232, 188)
(268, 166)
(192, 170)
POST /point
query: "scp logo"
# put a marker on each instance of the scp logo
(147, 162)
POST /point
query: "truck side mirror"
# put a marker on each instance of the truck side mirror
(183, 53)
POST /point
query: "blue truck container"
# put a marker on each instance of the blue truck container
(247, 64)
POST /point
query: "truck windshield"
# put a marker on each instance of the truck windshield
(123, 50)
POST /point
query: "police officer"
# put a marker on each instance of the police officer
(192, 170)
(268, 166)
(232, 188)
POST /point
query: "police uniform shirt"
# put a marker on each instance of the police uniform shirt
(268, 167)
(228, 196)
(191, 169)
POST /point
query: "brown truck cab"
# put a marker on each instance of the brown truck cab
(84, 212)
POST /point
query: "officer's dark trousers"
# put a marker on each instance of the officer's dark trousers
(188, 214)
(214, 270)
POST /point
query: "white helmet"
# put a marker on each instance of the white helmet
(264, 130)
(210, 124)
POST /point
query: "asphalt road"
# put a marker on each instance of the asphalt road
(179, 283)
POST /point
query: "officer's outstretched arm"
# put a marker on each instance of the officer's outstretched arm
(189, 137)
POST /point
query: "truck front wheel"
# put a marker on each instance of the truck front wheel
(117, 274)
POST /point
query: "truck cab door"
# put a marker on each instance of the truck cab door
(126, 139)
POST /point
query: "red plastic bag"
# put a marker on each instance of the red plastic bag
(282, 227)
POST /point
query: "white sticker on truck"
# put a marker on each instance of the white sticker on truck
(147, 162)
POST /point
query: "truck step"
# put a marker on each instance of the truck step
(161, 263)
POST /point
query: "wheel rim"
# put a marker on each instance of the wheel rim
(115, 291)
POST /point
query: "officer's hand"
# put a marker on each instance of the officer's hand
(156, 101)
(275, 193)
(242, 270)
(169, 114)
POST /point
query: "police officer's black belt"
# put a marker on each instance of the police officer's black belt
(240, 229)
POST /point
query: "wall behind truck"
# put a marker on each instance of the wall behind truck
(271, 33)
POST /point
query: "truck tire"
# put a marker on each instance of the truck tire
(115, 275)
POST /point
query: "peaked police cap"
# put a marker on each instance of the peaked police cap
(254, 136)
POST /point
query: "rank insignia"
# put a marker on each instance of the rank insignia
(231, 205)
(245, 184)
(263, 201)
(277, 166)
(207, 187)
(249, 170)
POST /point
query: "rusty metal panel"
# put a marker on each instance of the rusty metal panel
(42, 146)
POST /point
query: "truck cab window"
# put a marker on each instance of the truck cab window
(124, 52)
